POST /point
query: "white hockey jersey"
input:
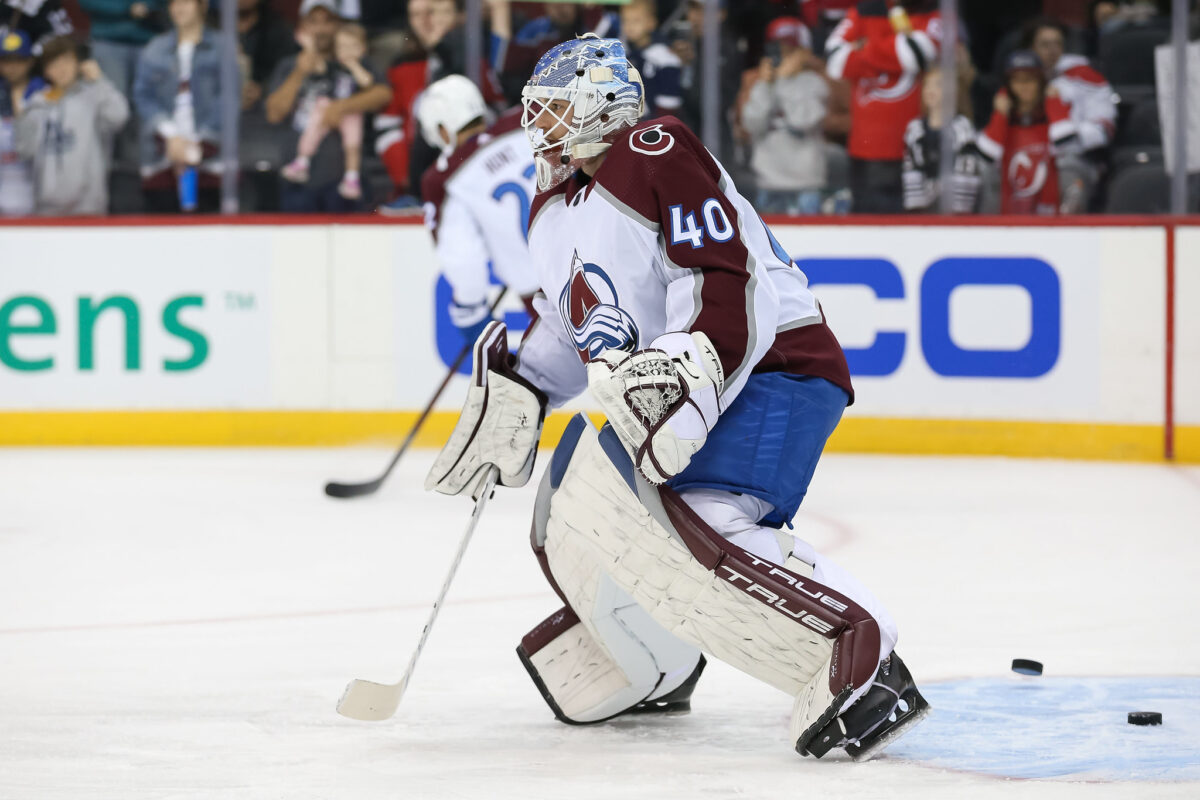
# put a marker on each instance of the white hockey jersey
(1091, 98)
(477, 207)
(659, 240)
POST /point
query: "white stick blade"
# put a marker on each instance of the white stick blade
(370, 701)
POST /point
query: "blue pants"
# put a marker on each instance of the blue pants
(768, 442)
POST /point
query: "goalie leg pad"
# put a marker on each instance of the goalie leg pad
(587, 680)
(602, 655)
(767, 621)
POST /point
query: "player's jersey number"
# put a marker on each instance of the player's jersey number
(518, 190)
(684, 228)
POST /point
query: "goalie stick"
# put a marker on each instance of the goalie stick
(370, 701)
(347, 490)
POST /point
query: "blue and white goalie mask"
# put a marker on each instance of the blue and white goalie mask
(582, 92)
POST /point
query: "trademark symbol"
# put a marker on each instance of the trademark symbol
(236, 301)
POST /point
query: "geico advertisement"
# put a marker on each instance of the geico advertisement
(134, 318)
(987, 322)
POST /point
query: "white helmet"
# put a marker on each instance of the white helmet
(450, 103)
(605, 93)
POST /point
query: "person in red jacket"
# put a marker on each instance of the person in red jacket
(436, 48)
(882, 48)
(1030, 127)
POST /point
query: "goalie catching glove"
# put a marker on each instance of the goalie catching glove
(662, 401)
(500, 424)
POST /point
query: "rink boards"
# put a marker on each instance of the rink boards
(1043, 339)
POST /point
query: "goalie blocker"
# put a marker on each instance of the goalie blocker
(648, 585)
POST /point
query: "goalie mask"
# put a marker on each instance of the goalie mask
(582, 93)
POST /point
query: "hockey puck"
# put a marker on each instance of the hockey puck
(1145, 718)
(1026, 666)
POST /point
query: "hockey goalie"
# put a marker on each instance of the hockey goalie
(665, 296)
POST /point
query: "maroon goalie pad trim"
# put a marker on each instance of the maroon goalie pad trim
(544, 562)
(549, 629)
(855, 632)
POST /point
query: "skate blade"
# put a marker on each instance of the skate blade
(652, 707)
(902, 727)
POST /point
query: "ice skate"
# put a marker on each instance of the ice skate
(887, 711)
(677, 701)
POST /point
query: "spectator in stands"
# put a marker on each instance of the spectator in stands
(120, 29)
(266, 40)
(923, 154)
(1079, 85)
(66, 130)
(299, 83)
(514, 56)
(437, 48)
(784, 115)
(40, 20)
(883, 52)
(350, 47)
(17, 85)
(1092, 105)
(177, 95)
(649, 53)
(1030, 126)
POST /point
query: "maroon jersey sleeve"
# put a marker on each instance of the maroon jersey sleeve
(663, 174)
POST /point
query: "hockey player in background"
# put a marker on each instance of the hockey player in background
(477, 196)
(666, 296)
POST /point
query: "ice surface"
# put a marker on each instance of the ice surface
(181, 623)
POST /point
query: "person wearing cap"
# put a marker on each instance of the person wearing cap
(783, 116)
(1030, 129)
(17, 85)
(350, 47)
(299, 84)
(66, 131)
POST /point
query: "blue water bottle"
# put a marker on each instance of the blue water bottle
(188, 189)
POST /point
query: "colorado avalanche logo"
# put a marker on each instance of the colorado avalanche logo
(589, 307)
